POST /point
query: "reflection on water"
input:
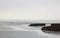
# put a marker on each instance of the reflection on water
(26, 28)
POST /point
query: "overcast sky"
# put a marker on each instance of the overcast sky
(29, 9)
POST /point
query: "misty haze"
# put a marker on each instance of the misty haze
(29, 18)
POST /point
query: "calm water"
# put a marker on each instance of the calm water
(24, 31)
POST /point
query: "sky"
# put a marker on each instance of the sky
(29, 9)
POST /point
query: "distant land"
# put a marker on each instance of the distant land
(28, 21)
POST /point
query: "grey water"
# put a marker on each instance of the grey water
(24, 31)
